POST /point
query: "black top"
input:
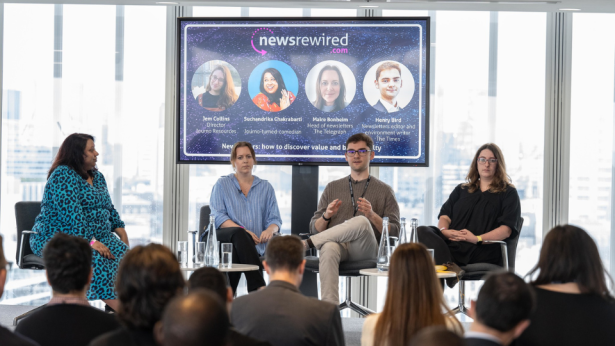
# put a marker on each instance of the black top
(481, 212)
(66, 324)
(569, 319)
(281, 315)
(125, 337)
(208, 100)
(480, 342)
(8, 338)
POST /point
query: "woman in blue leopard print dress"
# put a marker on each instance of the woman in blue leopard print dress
(76, 202)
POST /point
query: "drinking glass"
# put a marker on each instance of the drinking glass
(432, 254)
(200, 253)
(182, 253)
(227, 255)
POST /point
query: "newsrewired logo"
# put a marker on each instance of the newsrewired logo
(266, 40)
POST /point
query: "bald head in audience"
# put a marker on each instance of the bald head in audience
(198, 318)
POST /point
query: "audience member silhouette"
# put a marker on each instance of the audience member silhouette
(199, 318)
(68, 319)
(148, 278)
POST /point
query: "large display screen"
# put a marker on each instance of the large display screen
(298, 88)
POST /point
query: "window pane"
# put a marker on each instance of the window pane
(592, 118)
(275, 12)
(211, 11)
(404, 13)
(333, 12)
(107, 79)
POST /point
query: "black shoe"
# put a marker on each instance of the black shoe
(453, 267)
(109, 310)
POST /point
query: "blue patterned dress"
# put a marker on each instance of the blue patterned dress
(72, 206)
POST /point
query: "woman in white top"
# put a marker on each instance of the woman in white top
(414, 300)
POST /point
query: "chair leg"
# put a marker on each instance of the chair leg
(461, 308)
(348, 303)
(26, 314)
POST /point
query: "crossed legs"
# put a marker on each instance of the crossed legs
(353, 240)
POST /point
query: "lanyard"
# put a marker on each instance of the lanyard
(354, 206)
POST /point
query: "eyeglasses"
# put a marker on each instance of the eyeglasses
(214, 79)
(483, 161)
(362, 152)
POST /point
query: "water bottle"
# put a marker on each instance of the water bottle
(384, 250)
(414, 235)
(212, 254)
(402, 233)
(192, 244)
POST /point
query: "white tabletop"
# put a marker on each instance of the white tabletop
(236, 267)
(376, 272)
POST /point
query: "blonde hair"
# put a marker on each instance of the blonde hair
(501, 180)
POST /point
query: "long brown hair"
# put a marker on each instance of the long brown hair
(340, 100)
(414, 297)
(569, 254)
(71, 154)
(501, 180)
(228, 96)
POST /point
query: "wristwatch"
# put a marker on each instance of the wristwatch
(480, 240)
(324, 218)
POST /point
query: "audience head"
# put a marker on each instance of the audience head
(72, 153)
(569, 254)
(68, 262)
(504, 303)
(414, 297)
(211, 279)
(285, 254)
(436, 336)
(3, 269)
(500, 181)
(148, 278)
(198, 318)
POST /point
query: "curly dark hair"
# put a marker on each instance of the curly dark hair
(71, 154)
(148, 278)
(68, 261)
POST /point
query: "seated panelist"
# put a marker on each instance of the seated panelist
(486, 207)
(348, 223)
(76, 202)
(246, 213)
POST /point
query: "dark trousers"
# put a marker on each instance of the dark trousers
(432, 238)
(244, 252)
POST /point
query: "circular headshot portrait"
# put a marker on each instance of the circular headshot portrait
(388, 86)
(216, 85)
(330, 86)
(273, 86)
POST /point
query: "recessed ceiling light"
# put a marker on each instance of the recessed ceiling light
(368, 6)
(569, 9)
(167, 3)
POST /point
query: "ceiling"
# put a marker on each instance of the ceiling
(599, 6)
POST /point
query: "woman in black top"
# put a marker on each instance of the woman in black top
(574, 305)
(220, 90)
(486, 207)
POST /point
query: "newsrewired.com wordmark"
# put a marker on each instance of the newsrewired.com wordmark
(264, 37)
